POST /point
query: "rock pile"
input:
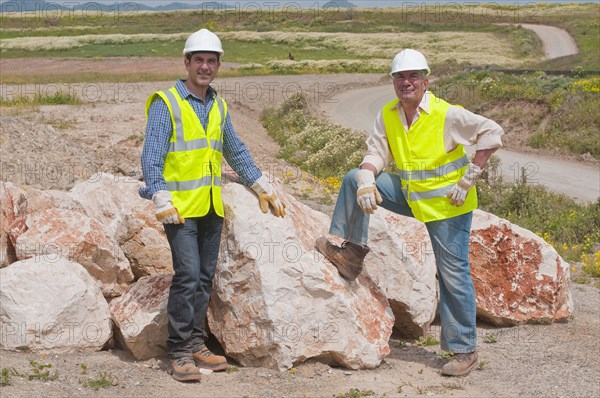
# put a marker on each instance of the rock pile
(84, 268)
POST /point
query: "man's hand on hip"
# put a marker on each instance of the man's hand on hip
(267, 197)
(367, 195)
(459, 192)
(165, 212)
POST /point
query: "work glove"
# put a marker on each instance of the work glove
(459, 192)
(166, 213)
(367, 195)
(267, 196)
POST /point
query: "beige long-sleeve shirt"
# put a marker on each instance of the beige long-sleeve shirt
(461, 127)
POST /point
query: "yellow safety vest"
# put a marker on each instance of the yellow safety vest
(427, 172)
(193, 163)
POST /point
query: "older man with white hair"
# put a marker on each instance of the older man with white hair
(433, 181)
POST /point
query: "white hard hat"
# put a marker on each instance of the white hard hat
(203, 40)
(409, 60)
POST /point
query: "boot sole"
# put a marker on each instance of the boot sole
(321, 247)
(214, 368)
(185, 377)
(466, 372)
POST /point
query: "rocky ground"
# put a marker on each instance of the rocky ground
(53, 146)
(559, 360)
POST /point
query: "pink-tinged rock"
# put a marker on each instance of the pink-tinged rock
(16, 204)
(52, 306)
(9, 206)
(55, 233)
(518, 277)
(115, 203)
(148, 252)
(402, 264)
(277, 302)
(140, 316)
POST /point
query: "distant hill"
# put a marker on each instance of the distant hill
(205, 5)
(338, 4)
(14, 6)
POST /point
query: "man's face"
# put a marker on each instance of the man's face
(410, 86)
(202, 68)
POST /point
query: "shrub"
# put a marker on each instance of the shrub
(319, 147)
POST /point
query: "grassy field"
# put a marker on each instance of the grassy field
(262, 40)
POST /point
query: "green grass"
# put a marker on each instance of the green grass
(428, 340)
(356, 393)
(399, 19)
(42, 372)
(5, 377)
(104, 379)
(237, 51)
(247, 53)
(313, 144)
(58, 98)
(94, 77)
(580, 20)
(100, 50)
(490, 339)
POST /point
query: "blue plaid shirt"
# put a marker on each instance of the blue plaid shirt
(158, 134)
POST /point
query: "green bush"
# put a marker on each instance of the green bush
(319, 147)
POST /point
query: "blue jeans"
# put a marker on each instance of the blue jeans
(450, 242)
(195, 249)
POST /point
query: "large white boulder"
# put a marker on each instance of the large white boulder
(52, 306)
(402, 264)
(277, 302)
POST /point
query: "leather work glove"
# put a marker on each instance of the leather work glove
(267, 196)
(367, 195)
(459, 192)
(166, 213)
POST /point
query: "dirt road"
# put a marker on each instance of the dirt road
(358, 108)
(557, 42)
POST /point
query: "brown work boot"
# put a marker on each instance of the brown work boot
(460, 364)
(207, 360)
(348, 258)
(184, 369)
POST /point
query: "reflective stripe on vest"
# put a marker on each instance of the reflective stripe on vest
(192, 168)
(193, 184)
(427, 172)
(180, 144)
(437, 172)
